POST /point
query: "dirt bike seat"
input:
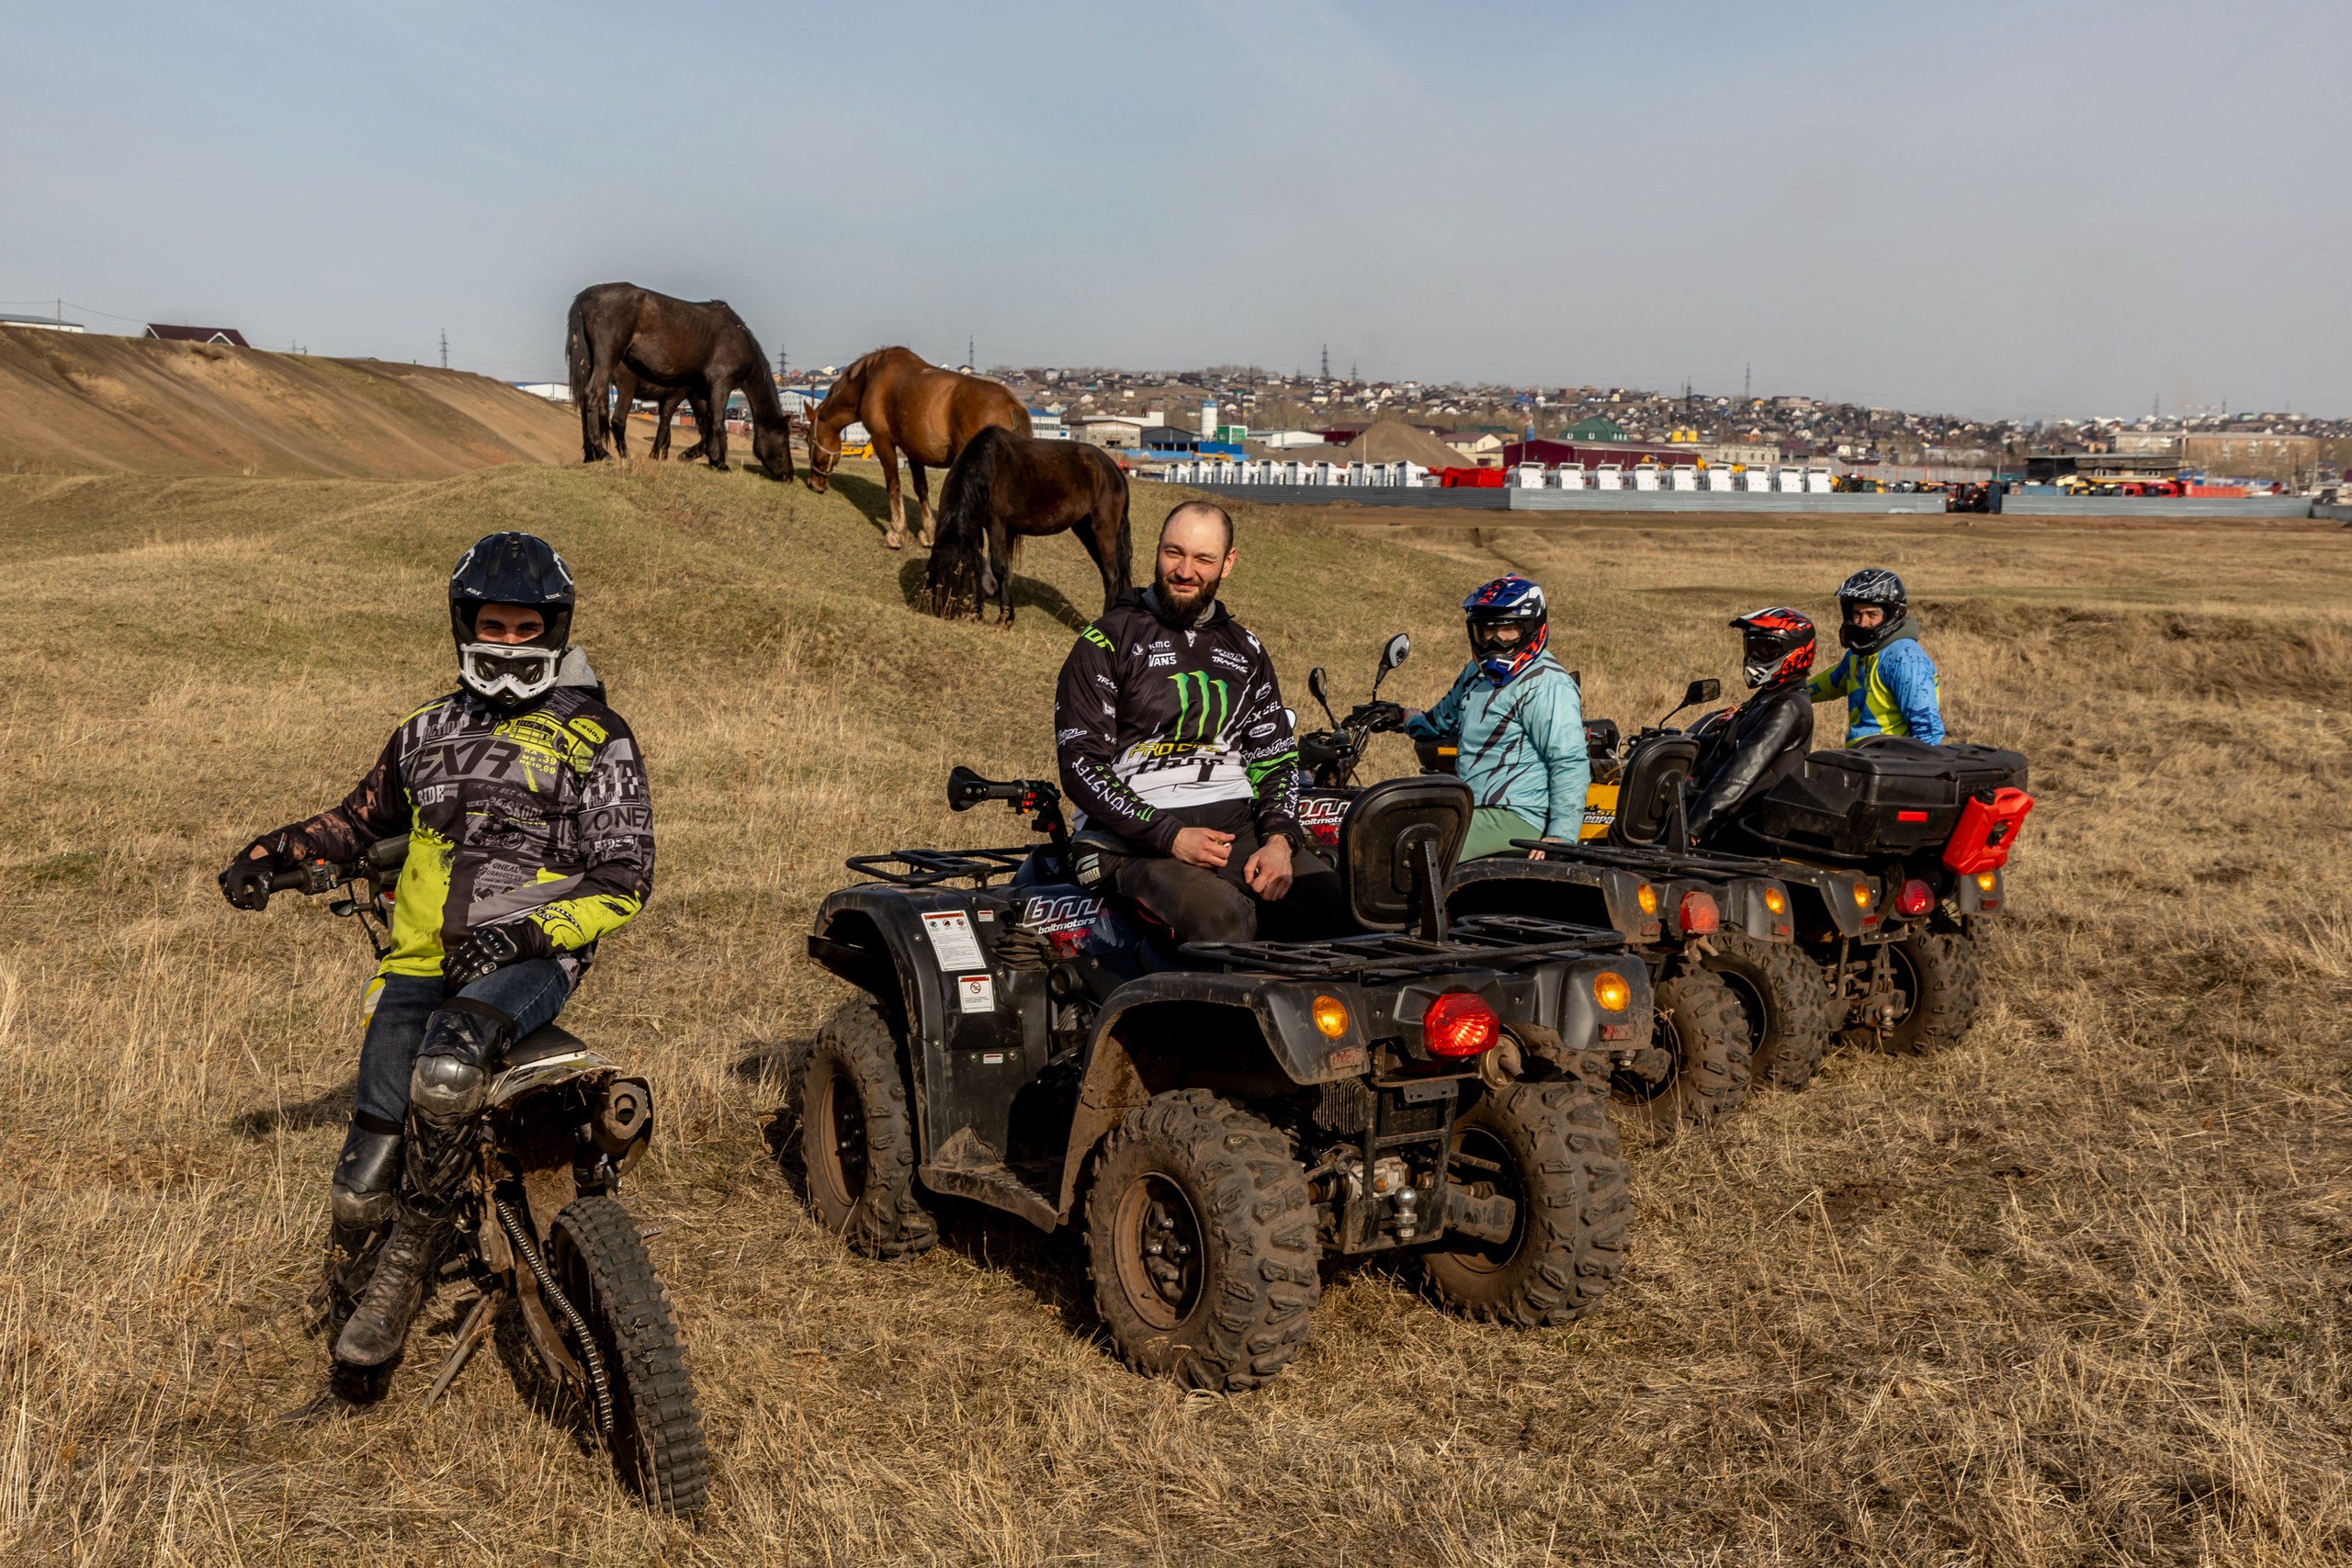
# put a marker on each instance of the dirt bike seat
(541, 1043)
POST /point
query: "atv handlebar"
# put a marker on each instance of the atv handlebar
(1028, 798)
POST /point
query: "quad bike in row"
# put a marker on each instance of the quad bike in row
(1735, 999)
(1892, 851)
(541, 1228)
(1223, 1120)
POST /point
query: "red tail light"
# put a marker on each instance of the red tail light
(1917, 898)
(1459, 1024)
(1698, 914)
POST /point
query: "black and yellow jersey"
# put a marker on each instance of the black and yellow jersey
(542, 814)
(1161, 727)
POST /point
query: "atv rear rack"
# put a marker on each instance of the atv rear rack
(1671, 862)
(1481, 941)
(927, 868)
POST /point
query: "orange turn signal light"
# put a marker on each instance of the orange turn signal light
(1861, 895)
(1646, 896)
(1987, 880)
(1608, 989)
(1330, 1017)
(1776, 900)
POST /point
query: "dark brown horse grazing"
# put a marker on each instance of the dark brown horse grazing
(704, 350)
(1004, 488)
(912, 409)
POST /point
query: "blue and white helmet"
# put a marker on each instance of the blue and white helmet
(1506, 602)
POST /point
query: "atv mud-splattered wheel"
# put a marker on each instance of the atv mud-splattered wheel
(1937, 978)
(1548, 1147)
(1696, 1071)
(1785, 999)
(599, 1262)
(857, 1136)
(1201, 1242)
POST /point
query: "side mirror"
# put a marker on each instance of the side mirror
(1704, 690)
(1319, 689)
(1393, 654)
(966, 789)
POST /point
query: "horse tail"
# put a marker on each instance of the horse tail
(575, 351)
(1126, 547)
(964, 505)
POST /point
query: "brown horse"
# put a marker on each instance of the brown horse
(668, 398)
(1004, 488)
(910, 408)
(704, 350)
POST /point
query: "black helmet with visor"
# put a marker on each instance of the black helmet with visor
(524, 571)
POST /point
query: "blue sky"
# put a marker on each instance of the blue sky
(1998, 208)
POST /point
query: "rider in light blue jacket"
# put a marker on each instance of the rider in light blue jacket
(1518, 722)
(1888, 680)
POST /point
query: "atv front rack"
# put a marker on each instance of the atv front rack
(926, 868)
(1481, 941)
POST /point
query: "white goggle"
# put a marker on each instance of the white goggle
(511, 672)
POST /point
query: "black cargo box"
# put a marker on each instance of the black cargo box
(1894, 797)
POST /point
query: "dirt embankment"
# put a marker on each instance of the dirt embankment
(75, 404)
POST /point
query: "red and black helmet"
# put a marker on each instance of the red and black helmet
(1776, 645)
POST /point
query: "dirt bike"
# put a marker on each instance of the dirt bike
(541, 1227)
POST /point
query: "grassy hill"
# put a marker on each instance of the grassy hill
(2073, 1293)
(76, 404)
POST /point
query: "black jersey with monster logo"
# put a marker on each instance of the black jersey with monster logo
(540, 815)
(1161, 727)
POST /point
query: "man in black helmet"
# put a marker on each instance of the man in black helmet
(1750, 749)
(1888, 680)
(530, 837)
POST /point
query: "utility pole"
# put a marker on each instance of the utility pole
(445, 349)
(970, 358)
(1748, 384)
(1326, 361)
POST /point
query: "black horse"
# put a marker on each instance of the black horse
(704, 350)
(1004, 488)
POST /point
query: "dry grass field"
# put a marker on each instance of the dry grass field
(2074, 1293)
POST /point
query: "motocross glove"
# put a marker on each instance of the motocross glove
(244, 881)
(485, 950)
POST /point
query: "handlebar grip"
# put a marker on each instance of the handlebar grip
(311, 876)
(967, 789)
(387, 854)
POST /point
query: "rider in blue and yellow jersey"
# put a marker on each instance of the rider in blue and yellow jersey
(1887, 679)
(530, 837)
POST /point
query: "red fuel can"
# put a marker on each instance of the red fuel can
(1986, 829)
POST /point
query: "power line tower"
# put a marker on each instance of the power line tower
(970, 358)
(445, 349)
(1326, 361)
(1748, 384)
(782, 363)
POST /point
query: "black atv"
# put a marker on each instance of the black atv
(1735, 999)
(1221, 1118)
(1892, 852)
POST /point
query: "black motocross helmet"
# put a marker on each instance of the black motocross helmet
(511, 569)
(1776, 645)
(1871, 585)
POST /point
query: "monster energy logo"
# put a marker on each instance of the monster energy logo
(1188, 682)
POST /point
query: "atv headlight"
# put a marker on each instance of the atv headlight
(1330, 1017)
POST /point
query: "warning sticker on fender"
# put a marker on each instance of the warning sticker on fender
(977, 993)
(952, 939)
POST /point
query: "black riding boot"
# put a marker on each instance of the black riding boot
(366, 1202)
(445, 1094)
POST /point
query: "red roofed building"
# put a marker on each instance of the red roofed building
(228, 336)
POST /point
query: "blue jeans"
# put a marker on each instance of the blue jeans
(530, 993)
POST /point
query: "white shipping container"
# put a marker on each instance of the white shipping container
(1646, 476)
(1293, 472)
(1816, 482)
(1527, 476)
(1567, 476)
(1359, 473)
(1685, 476)
(1412, 475)
(1719, 479)
(1791, 481)
(1609, 476)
